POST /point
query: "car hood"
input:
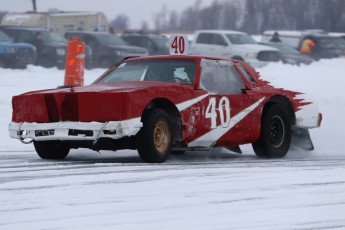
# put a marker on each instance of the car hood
(113, 87)
(98, 102)
(18, 45)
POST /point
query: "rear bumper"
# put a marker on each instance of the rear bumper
(74, 131)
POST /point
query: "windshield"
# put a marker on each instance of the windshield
(162, 43)
(285, 49)
(179, 71)
(49, 36)
(240, 39)
(332, 42)
(110, 39)
(4, 37)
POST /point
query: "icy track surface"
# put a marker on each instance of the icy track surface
(195, 191)
(199, 190)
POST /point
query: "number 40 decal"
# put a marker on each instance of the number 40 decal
(179, 45)
(224, 112)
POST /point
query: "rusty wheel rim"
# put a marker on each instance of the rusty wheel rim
(161, 136)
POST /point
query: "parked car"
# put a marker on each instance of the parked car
(232, 44)
(326, 46)
(290, 37)
(166, 104)
(289, 55)
(156, 44)
(50, 46)
(107, 48)
(15, 55)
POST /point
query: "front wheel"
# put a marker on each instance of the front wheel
(2, 63)
(275, 134)
(52, 150)
(45, 61)
(155, 138)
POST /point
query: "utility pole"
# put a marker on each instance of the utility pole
(34, 5)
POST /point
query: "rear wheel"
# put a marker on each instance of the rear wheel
(53, 150)
(155, 138)
(45, 61)
(275, 134)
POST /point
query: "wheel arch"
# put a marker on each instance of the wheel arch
(285, 102)
(174, 113)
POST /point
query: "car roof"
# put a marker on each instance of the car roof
(142, 35)
(221, 31)
(180, 57)
(322, 36)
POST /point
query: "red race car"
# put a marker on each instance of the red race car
(166, 104)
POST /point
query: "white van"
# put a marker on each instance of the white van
(234, 45)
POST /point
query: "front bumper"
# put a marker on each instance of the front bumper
(74, 131)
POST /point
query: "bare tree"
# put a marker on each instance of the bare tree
(255, 16)
(120, 22)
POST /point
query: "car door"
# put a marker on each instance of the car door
(228, 110)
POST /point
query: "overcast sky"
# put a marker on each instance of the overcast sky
(136, 10)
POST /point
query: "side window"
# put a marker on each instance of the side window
(217, 39)
(89, 40)
(220, 77)
(204, 38)
(245, 73)
(12, 34)
(25, 36)
(235, 80)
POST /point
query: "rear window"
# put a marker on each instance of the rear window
(220, 77)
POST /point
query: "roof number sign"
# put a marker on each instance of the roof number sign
(178, 45)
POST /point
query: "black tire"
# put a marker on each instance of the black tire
(275, 133)
(52, 150)
(21, 66)
(60, 66)
(45, 62)
(155, 138)
(2, 63)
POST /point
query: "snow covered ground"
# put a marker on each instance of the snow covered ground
(199, 190)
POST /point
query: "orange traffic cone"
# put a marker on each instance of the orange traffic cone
(75, 62)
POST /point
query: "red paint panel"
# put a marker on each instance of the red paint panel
(29, 108)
